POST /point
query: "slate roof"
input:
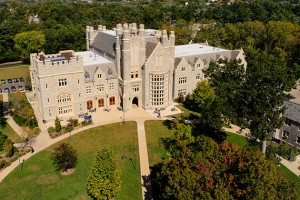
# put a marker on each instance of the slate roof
(107, 68)
(151, 43)
(105, 42)
(292, 111)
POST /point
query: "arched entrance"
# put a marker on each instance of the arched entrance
(135, 102)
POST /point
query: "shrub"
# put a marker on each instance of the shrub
(3, 164)
(68, 128)
(57, 125)
(51, 129)
(36, 131)
(18, 120)
(85, 123)
(73, 122)
(3, 138)
(8, 148)
(64, 157)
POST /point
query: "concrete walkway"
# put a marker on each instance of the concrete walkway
(144, 161)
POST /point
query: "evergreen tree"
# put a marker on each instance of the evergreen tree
(104, 180)
(57, 125)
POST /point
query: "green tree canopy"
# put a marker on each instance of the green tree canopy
(104, 180)
(202, 169)
(64, 157)
(29, 42)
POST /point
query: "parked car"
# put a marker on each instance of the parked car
(20, 87)
(16, 80)
(9, 80)
(3, 81)
(6, 90)
(13, 88)
(21, 79)
(0, 90)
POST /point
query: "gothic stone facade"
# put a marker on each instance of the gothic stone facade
(128, 66)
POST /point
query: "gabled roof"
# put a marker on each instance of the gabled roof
(292, 111)
(105, 42)
(151, 43)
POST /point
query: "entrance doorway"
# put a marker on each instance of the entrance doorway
(89, 104)
(135, 102)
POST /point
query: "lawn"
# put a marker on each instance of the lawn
(11, 134)
(39, 180)
(238, 139)
(14, 72)
(155, 129)
(186, 112)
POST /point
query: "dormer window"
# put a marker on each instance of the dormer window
(99, 76)
(285, 134)
(198, 65)
(288, 122)
(183, 69)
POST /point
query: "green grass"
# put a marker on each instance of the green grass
(186, 112)
(14, 72)
(39, 180)
(11, 134)
(238, 139)
(154, 131)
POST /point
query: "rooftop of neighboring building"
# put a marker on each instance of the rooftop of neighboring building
(90, 58)
(195, 49)
(292, 111)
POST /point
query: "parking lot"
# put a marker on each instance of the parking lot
(12, 85)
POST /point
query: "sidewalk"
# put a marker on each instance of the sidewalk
(144, 161)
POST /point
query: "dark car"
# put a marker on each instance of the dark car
(3, 81)
(20, 88)
(13, 88)
(16, 80)
(6, 90)
(9, 80)
(0, 90)
(21, 79)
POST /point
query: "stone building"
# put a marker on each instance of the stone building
(290, 131)
(128, 66)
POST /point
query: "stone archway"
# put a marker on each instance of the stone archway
(135, 102)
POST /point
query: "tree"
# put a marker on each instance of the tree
(2, 116)
(204, 101)
(64, 157)
(3, 138)
(29, 42)
(104, 180)
(8, 148)
(202, 169)
(253, 99)
(57, 125)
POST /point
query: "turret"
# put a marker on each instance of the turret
(126, 53)
(164, 38)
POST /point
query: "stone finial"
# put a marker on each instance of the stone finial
(141, 26)
(172, 33)
(164, 33)
(125, 26)
(104, 28)
(119, 26)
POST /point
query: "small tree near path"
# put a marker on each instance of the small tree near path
(57, 125)
(104, 180)
(64, 157)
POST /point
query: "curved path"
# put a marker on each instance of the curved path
(43, 140)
